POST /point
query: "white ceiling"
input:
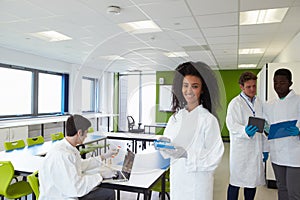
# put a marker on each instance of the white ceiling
(188, 25)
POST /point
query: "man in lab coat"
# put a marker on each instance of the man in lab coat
(285, 151)
(246, 145)
(65, 175)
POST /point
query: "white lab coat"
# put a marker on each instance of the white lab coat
(284, 151)
(198, 133)
(65, 175)
(246, 161)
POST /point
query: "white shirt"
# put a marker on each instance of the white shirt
(246, 161)
(284, 151)
(199, 134)
(65, 175)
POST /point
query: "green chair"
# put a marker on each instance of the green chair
(33, 181)
(35, 140)
(57, 136)
(92, 147)
(18, 144)
(157, 186)
(91, 130)
(15, 190)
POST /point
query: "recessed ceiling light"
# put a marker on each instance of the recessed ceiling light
(138, 27)
(247, 66)
(113, 57)
(176, 54)
(51, 36)
(262, 16)
(251, 51)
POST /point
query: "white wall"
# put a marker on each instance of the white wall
(290, 52)
(75, 71)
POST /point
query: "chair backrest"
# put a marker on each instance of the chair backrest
(57, 136)
(7, 172)
(91, 130)
(18, 144)
(35, 140)
(33, 181)
(131, 123)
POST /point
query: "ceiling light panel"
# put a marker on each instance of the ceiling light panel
(51, 36)
(247, 66)
(139, 27)
(252, 51)
(262, 16)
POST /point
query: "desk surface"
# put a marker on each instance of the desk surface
(156, 125)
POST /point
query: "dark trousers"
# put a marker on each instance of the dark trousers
(99, 194)
(233, 193)
(288, 182)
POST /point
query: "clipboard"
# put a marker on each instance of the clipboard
(279, 130)
(258, 122)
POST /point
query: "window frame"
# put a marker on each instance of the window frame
(34, 93)
(94, 96)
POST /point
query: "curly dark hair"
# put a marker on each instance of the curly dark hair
(210, 96)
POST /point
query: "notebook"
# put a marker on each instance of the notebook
(258, 122)
(124, 174)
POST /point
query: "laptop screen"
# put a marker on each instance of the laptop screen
(128, 163)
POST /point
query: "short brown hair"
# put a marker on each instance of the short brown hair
(246, 76)
(76, 123)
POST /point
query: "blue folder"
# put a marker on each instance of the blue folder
(279, 130)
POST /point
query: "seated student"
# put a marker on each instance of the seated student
(65, 175)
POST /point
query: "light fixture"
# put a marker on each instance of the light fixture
(51, 36)
(138, 27)
(176, 54)
(113, 57)
(262, 16)
(115, 10)
(247, 66)
(251, 51)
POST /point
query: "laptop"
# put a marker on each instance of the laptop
(124, 174)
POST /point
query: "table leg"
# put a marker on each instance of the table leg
(163, 186)
(146, 195)
(118, 194)
(108, 119)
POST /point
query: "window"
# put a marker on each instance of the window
(15, 87)
(49, 93)
(31, 92)
(89, 94)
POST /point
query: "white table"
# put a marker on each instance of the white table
(156, 125)
(148, 168)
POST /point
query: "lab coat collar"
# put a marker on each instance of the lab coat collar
(68, 145)
(248, 99)
(289, 95)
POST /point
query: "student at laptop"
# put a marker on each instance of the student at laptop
(195, 133)
(65, 175)
(246, 145)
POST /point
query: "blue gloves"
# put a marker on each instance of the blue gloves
(251, 130)
(293, 130)
(265, 156)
